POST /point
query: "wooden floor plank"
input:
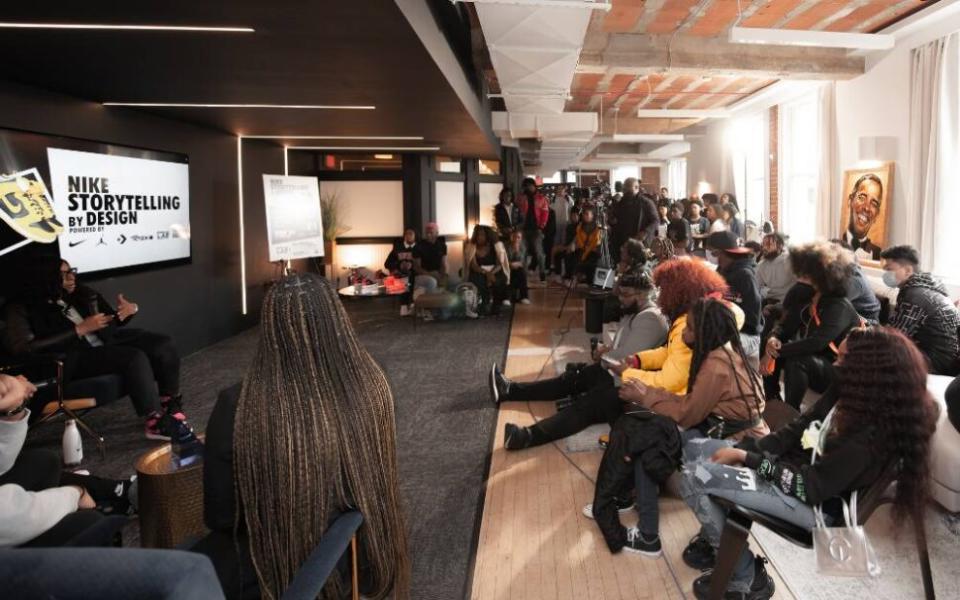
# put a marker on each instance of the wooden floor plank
(534, 542)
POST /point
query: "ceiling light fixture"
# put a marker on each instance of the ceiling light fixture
(110, 26)
(818, 39)
(192, 105)
(383, 156)
(648, 137)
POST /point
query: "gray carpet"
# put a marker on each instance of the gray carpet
(444, 421)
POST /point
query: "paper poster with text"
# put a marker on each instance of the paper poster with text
(294, 220)
(119, 211)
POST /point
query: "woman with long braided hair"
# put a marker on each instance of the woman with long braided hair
(308, 434)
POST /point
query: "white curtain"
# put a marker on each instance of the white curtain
(934, 152)
(677, 178)
(828, 213)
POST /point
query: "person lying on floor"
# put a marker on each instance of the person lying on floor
(40, 505)
(878, 413)
(641, 327)
(681, 283)
(725, 401)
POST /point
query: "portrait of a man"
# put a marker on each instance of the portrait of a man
(866, 202)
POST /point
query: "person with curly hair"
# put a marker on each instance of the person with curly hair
(487, 267)
(681, 283)
(805, 342)
(877, 415)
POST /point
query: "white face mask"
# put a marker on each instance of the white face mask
(890, 279)
(713, 260)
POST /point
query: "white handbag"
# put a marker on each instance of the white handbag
(840, 551)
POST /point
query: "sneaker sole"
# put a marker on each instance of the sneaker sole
(646, 553)
(493, 385)
(588, 511)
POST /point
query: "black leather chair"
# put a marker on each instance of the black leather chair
(733, 540)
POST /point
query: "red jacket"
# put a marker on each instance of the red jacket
(541, 209)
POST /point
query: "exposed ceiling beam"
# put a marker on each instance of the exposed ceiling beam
(679, 113)
(687, 55)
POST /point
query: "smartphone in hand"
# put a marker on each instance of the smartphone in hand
(609, 363)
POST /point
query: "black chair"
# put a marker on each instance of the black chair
(733, 540)
(314, 572)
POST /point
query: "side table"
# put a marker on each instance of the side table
(170, 499)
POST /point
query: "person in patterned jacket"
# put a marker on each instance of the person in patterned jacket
(924, 311)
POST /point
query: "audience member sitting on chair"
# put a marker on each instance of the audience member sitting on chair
(308, 434)
(430, 261)
(773, 272)
(641, 327)
(55, 315)
(724, 401)
(739, 268)
(681, 283)
(924, 311)
(41, 505)
(485, 259)
(400, 263)
(878, 413)
(807, 346)
(517, 255)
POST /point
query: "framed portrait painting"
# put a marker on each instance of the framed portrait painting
(866, 198)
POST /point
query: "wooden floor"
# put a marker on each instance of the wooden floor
(534, 541)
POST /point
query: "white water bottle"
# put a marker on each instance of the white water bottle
(72, 445)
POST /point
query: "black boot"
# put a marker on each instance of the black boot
(762, 587)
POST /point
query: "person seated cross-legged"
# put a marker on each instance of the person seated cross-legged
(641, 327)
(878, 413)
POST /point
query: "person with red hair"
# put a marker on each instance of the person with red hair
(681, 283)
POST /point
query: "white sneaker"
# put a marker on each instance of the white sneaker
(471, 314)
(525, 301)
(588, 510)
(506, 303)
(404, 310)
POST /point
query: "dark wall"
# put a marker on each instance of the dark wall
(198, 303)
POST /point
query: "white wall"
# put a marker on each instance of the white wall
(370, 208)
(706, 162)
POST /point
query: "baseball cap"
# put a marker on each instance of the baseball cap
(726, 241)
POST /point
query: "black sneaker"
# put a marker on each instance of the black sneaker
(515, 437)
(640, 544)
(762, 587)
(499, 385)
(173, 405)
(119, 503)
(699, 554)
(166, 426)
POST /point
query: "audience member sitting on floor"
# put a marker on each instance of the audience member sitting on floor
(877, 414)
(517, 255)
(400, 263)
(724, 401)
(681, 283)
(308, 434)
(430, 261)
(587, 244)
(506, 215)
(41, 505)
(807, 346)
(739, 268)
(773, 271)
(641, 327)
(486, 262)
(924, 311)
(55, 315)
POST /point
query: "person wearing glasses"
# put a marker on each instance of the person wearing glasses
(56, 314)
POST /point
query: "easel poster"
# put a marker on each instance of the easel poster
(25, 206)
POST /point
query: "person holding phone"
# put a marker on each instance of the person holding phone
(50, 316)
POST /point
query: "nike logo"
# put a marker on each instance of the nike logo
(72, 244)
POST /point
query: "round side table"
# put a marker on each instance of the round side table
(170, 499)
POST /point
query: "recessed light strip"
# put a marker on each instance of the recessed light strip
(192, 105)
(367, 148)
(391, 138)
(8, 25)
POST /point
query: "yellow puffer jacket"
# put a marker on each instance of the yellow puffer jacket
(668, 367)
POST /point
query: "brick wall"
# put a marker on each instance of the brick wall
(774, 167)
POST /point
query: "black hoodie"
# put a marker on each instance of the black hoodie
(927, 316)
(741, 277)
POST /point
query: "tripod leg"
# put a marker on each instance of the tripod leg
(573, 284)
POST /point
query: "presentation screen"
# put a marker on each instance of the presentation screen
(119, 211)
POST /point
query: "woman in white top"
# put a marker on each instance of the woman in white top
(715, 216)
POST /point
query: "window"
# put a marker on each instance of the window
(747, 141)
(800, 146)
(677, 178)
(489, 167)
(446, 164)
(622, 173)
